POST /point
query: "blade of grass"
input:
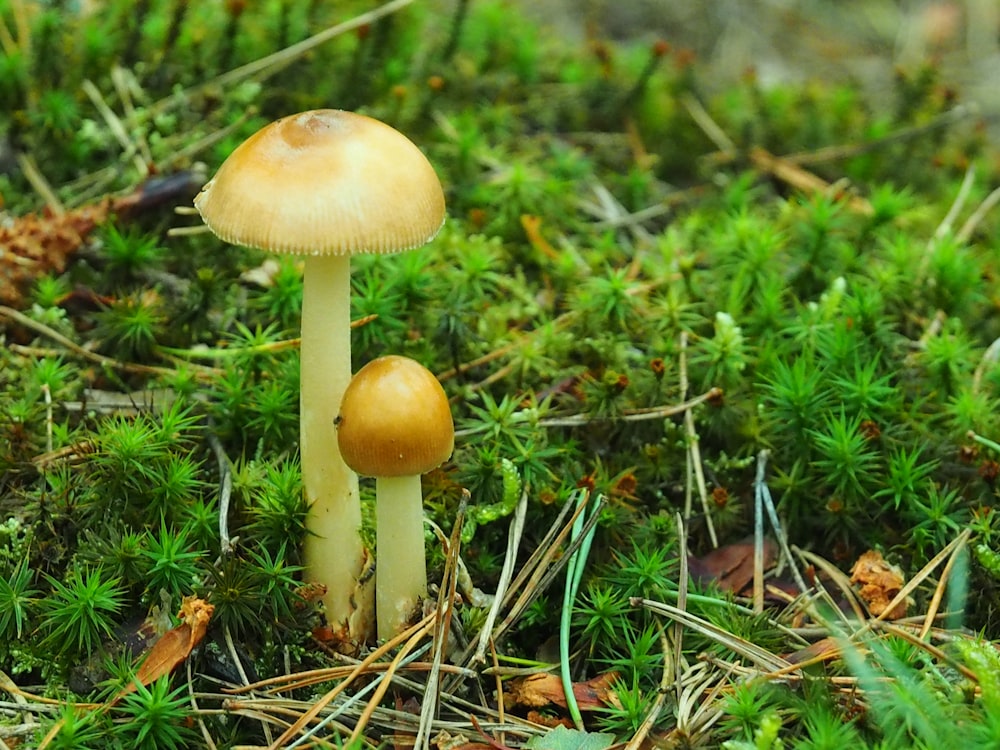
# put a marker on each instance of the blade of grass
(574, 574)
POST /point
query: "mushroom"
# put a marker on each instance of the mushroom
(326, 184)
(395, 424)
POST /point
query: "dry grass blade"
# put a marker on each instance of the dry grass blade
(849, 631)
(694, 450)
(114, 364)
(801, 179)
(231, 646)
(287, 683)
(958, 546)
(550, 566)
(442, 626)
(850, 150)
(116, 127)
(506, 573)
(837, 576)
(634, 415)
(196, 709)
(762, 658)
(412, 634)
(271, 64)
(9, 686)
(697, 711)
(560, 527)
(533, 572)
(683, 579)
(428, 625)
(977, 216)
(31, 172)
(925, 572)
(935, 652)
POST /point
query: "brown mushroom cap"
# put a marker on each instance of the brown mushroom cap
(395, 420)
(325, 182)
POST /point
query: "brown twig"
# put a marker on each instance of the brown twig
(693, 449)
(99, 359)
(801, 179)
(418, 633)
(414, 633)
(442, 627)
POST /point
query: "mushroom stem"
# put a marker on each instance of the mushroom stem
(334, 554)
(400, 570)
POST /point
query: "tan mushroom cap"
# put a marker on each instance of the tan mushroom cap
(395, 420)
(325, 182)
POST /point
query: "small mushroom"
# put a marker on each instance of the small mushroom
(327, 184)
(395, 424)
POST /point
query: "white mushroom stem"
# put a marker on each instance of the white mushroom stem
(399, 548)
(334, 554)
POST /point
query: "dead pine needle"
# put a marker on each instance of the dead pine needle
(442, 627)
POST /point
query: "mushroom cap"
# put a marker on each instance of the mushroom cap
(325, 182)
(395, 420)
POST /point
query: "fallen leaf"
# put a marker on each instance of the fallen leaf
(174, 646)
(827, 648)
(879, 582)
(548, 720)
(540, 690)
(730, 567)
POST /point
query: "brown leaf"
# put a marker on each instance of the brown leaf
(174, 646)
(540, 690)
(730, 566)
(879, 582)
(826, 648)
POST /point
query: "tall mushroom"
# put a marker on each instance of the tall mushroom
(395, 424)
(326, 184)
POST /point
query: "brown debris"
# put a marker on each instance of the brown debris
(825, 649)
(38, 244)
(42, 243)
(545, 720)
(730, 567)
(879, 582)
(793, 174)
(542, 690)
(174, 646)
